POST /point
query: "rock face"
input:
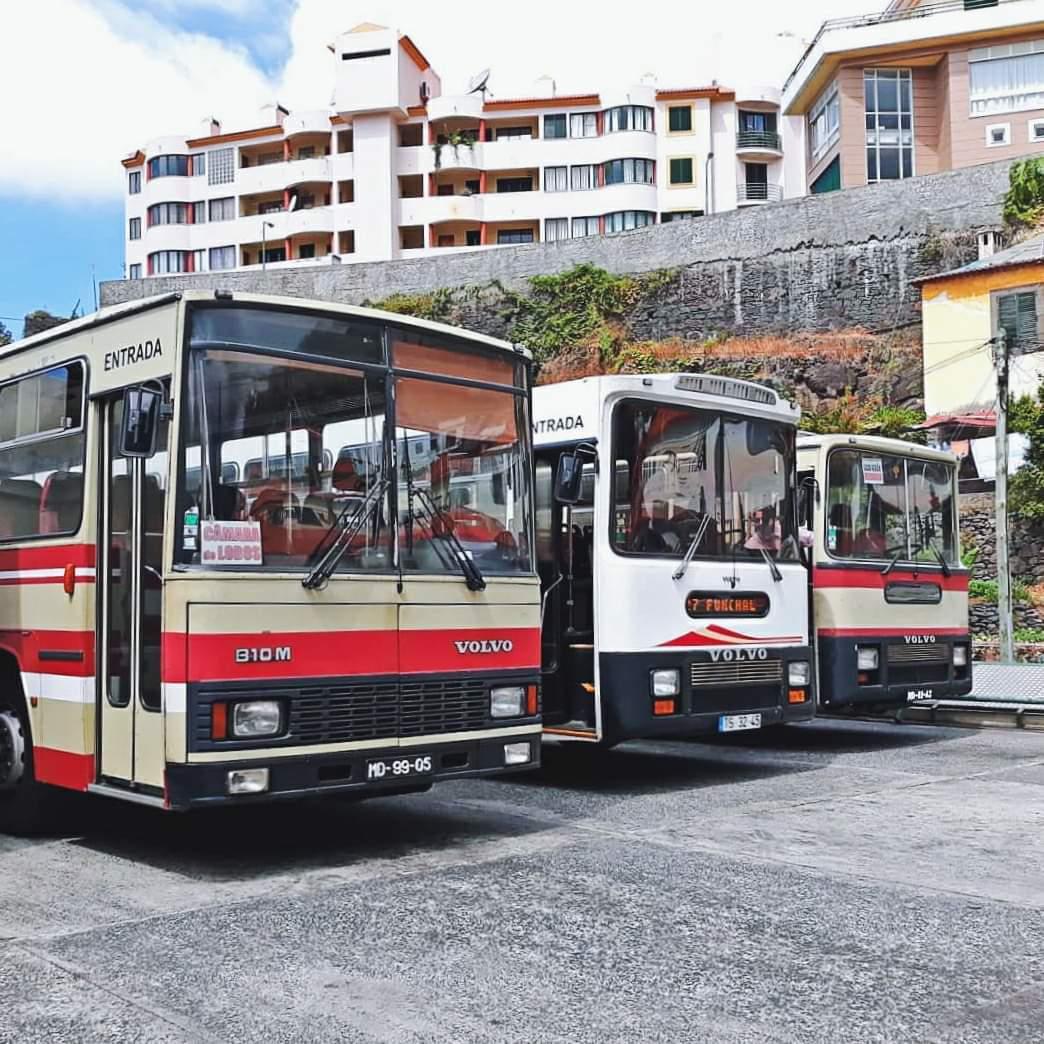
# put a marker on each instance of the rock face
(1026, 542)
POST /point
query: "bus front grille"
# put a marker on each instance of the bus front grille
(748, 672)
(936, 652)
(344, 713)
(432, 707)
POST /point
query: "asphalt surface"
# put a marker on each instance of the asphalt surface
(833, 882)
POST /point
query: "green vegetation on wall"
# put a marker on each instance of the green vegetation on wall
(1026, 486)
(1024, 200)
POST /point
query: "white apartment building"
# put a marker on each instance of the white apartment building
(394, 168)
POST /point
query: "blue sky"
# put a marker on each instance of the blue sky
(119, 72)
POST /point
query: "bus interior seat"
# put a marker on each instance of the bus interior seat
(229, 503)
(20, 507)
(345, 478)
(61, 502)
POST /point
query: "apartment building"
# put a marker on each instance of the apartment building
(921, 87)
(394, 168)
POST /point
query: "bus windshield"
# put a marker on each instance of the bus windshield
(882, 506)
(683, 472)
(281, 448)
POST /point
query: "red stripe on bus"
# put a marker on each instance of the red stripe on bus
(53, 557)
(874, 579)
(70, 653)
(889, 632)
(461, 649)
(62, 769)
(341, 654)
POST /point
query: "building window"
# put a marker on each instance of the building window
(134, 182)
(998, 134)
(514, 184)
(583, 125)
(223, 209)
(222, 257)
(555, 126)
(824, 123)
(556, 229)
(346, 139)
(889, 124)
(134, 272)
(272, 206)
(582, 177)
(165, 262)
(514, 132)
(273, 255)
(168, 214)
(198, 164)
(306, 251)
(221, 169)
(515, 235)
(169, 167)
(1017, 318)
(199, 213)
(1006, 77)
(679, 119)
(472, 237)
(681, 170)
(134, 228)
(625, 220)
(585, 226)
(829, 180)
(679, 215)
(556, 179)
(629, 172)
(628, 118)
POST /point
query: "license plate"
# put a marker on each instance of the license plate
(383, 769)
(738, 722)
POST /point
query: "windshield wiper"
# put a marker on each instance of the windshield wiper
(771, 563)
(472, 574)
(344, 529)
(891, 565)
(939, 555)
(693, 545)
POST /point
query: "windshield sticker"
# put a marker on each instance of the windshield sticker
(832, 538)
(231, 543)
(190, 528)
(873, 471)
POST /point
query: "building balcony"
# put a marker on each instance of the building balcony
(754, 144)
(314, 219)
(753, 193)
(297, 172)
(427, 210)
(466, 156)
(266, 177)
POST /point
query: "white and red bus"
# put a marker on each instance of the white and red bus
(236, 562)
(890, 595)
(676, 598)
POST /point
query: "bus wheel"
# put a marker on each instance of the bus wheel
(24, 803)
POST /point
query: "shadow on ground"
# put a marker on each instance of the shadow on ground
(827, 736)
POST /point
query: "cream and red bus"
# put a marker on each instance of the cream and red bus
(890, 595)
(676, 599)
(238, 559)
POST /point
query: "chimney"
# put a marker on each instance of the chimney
(990, 241)
(544, 87)
(210, 127)
(273, 114)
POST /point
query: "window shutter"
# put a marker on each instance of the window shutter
(1017, 317)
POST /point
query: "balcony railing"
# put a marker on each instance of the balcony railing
(768, 141)
(757, 192)
(923, 10)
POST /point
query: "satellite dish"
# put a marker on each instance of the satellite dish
(478, 84)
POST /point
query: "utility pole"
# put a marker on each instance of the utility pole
(1004, 609)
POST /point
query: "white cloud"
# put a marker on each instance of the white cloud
(87, 81)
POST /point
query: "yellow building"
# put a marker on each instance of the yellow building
(964, 310)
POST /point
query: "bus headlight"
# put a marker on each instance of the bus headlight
(868, 657)
(507, 702)
(960, 656)
(799, 672)
(256, 718)
(665, 682)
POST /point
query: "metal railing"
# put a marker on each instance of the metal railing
(925, 10)
(766, 140)
(758, 192)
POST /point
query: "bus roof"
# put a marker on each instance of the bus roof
(120, 311)
(876, 443)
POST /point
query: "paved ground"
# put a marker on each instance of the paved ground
(841, 883)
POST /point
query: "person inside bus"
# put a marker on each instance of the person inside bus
(767, 535)
(870, 541)
(840, 530)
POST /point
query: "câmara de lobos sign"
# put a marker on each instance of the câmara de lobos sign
(132, 354)
(552, 425)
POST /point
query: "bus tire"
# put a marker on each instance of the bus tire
(26, 806)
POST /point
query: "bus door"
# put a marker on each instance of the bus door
(130, 548)
(565, 539)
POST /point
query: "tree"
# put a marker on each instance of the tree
(1026, 486)
(40, 320)
(5, 335)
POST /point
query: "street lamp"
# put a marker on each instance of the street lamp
(264, 225)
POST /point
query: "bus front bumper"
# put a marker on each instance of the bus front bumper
(360, 773)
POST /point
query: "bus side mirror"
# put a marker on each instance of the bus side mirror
(568, 478)
(141, 417)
